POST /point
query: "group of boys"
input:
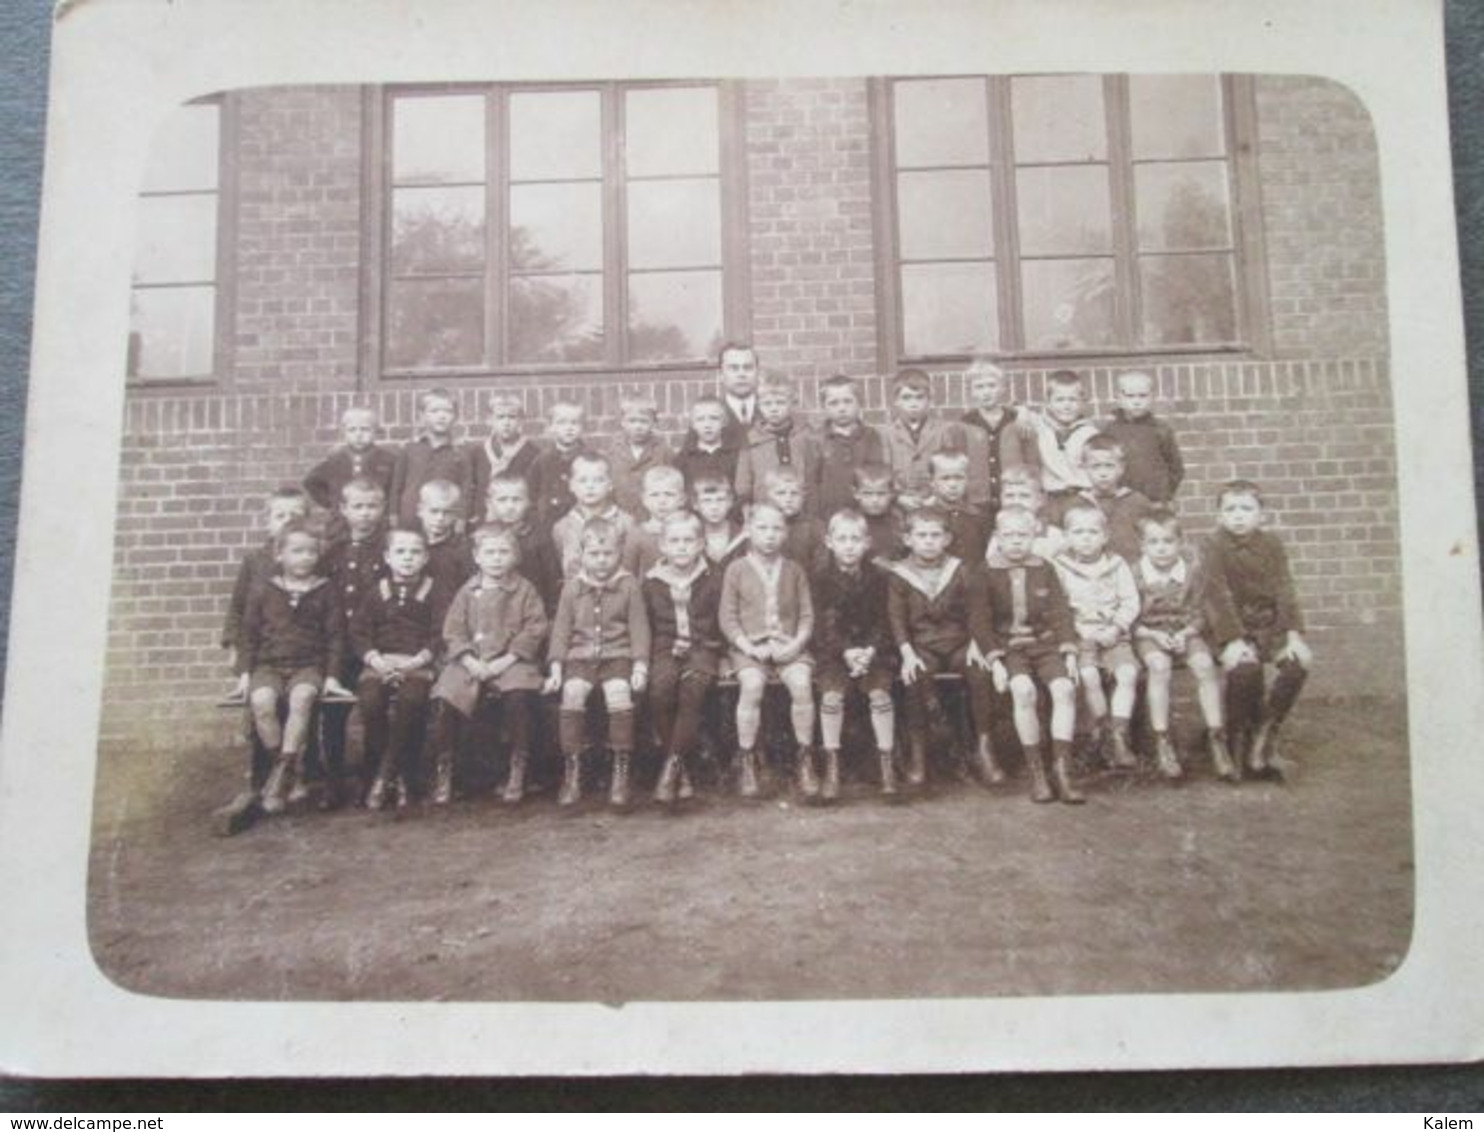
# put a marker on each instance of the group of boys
(1009, 551)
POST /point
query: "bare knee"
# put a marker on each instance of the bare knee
(1023, 692)
(617, 695)
(1159, 665)
(575, 694)
(750, 684)
(834, 702)
(264, 701)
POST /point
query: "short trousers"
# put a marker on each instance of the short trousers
(831, 675)
(1106, 657)
(741, 663)
(281, 680)
(598, 672)
(1269, 643)
(1042, 661)
(1194, 646)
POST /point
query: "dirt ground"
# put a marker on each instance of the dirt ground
(1147, 888)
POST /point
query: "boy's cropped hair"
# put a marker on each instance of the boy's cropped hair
(594, 459)
(783, 473)
(759, 508)
(663, 474)
(984, 363)
(1239, 487)
(296, 527)
(948, 458)
(498, 401)
(1081, 508)
(601, 530)
(362, 485)
(705, 484)
(511, 479)
(437, 393)
(838, 381)
(639, 403)
(924, 515)
(845, 517)
(1065, 377)
(288, 491)
(1162, 519)
(687, 519)
(1104, 443)
(912, 378)
(444, 490)
(406, 532)
(1007, 515)
(496, 532)
(708, 401)
(565, 407)
(773, 379)
(1025, 477)
(871, 474)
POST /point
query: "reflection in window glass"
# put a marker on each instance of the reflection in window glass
(438, 140)
(435, 322)
(941, 122)
(556, 318)
(437, 230)
(1068, 303)
(945, 214)
(177, 239)
(556, 227)
(675, 315)
(1188, 299)
(671, 130)
(674, 223)
(1182, 206)
(555, 135)
(185, 151)
(172, 332)
(1059, 118)
(1176, 116)
(1064, 210)
(948, 308)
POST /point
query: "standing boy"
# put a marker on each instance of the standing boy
(707, 450)
(843, 443)
(592, 500)
(358, 457)
(1154, 464)
(1009, 433)
(506, 451)
(967, 522)
(551, 471)
(432, 455)
(913, 435)
(636, 450)
(509, 506)
(1123, 507)
(1062, 431)
(776, 440)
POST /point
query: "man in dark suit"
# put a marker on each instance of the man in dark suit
(737, 368)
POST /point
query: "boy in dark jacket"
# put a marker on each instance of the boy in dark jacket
(1154, 464)
(359, 457)
(432, 455)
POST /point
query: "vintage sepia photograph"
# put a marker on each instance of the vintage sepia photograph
(899, 536)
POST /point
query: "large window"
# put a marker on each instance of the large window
(565, 227)
(175, 299)
(1069, 214)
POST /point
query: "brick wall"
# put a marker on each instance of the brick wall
(1313, 425)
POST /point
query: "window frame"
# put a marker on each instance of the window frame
(1250, 285)
(224, 302)
(377, 153)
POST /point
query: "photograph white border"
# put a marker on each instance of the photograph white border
(118, 67)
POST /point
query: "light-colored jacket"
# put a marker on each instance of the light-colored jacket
(1101, 593)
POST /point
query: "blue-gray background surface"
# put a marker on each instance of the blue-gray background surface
(24, 41)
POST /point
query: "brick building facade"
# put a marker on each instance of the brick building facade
(1302, 403)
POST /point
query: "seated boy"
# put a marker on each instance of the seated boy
(662, 495)
(935, 608)
(1125, 509)
(396, 637)
(705, 453)
(592, 498)
(1030, 638)
(432, 455)
(551, 471)
(286, 505)
(1254, 567)
(358, 457)
(635, 451)
(723, 537)
(967, 522)
(1105, 603)
(507, 451)
(439, 509)
(682, 596)
(293, 635)
(853, 646)
(493, 635)
(842, 444)
(767, 616)
(1180, 606)
(509, 506)
(1155, 466)
(775, 440)
(875, 499)
(600, 639)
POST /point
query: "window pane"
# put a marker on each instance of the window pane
(435, 322)
(438, 140)
(1176, 115)
(674, 223)
(941, 122)
(1064, 210)
(948, 308)
(556, 318)
(1059, 119)
(555, 135)
(184, 152)
(1187, 299)
(944, 214)
(670, 130)
(177, 240)
(674, 315)
(172, 332)
(556, 227)
(437, 230)
(1068, 303)
(1182, 206)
